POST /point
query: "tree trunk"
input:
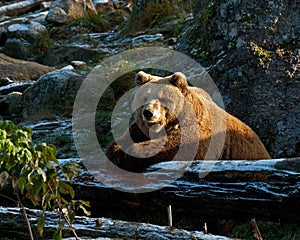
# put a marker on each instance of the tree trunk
(241, 190)
(230, 190)
(12, 225)
(19, 7)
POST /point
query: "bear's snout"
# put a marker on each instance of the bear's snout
(152, 111)
(148, 114)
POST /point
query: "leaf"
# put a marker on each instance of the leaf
(37, 185)
(3, 134)
(58, 234)
(45, 188)
(41, 223)
(46, 199)
(71, 216)
(27, 154)
(71, 169)
(41, 172)
(82, 205)
(29, 178)
(10, 163)
(34, 198)
(86, 212)
(22, 183)
(66, 189)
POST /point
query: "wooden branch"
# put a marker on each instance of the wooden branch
(12, 224)
(256, 231)
(242, 190)
(19, 7)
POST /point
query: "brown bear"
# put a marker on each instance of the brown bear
(174, 121)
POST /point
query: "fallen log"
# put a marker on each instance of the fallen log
(242, 190)
(19, 7)
(203, 195)
(13, 225)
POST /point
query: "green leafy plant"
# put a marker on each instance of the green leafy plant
(34, 173)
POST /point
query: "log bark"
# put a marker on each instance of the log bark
(12, 224)
(227, 190)
(19, 7)
(241, 190)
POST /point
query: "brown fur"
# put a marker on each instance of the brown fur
(190, 126)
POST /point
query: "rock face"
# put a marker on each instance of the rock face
(53, 94)
(28, 41)
(63, 11)
(251, 49)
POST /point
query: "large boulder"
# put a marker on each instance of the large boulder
(251, 49)
(28, 41)
(10, 106)
(52, 95)
(63, 11)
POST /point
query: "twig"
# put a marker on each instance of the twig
(26, 217)
(154, 20)
(64, 215)
(11, 199)
(205, 228)
(170, 220)
(256, 231)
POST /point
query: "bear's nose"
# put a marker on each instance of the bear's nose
(147, 114)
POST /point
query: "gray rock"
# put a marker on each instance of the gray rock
(63, 11)
(64, 54)
(27, 31)
(139, 40)
(252, 50)
(19, 48)
(85, 47)
(78, 64)
(28, 41)
(10, 105)
(52, 95)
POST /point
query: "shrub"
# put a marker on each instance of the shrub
(33, 172)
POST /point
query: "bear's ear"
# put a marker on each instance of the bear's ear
(141, 78)
(178, 79)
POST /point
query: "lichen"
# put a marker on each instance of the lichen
(263, 55)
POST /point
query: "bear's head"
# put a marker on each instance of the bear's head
(159, 101)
